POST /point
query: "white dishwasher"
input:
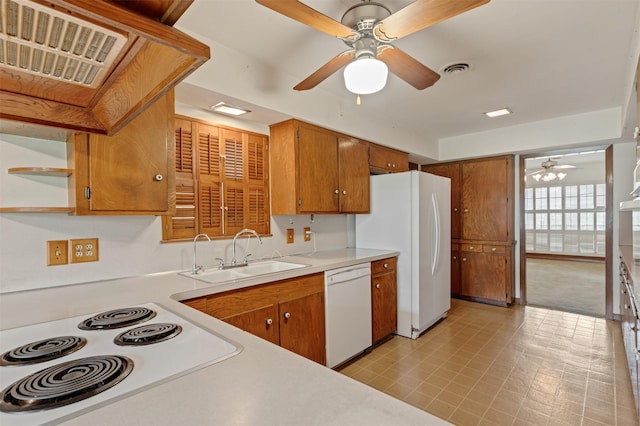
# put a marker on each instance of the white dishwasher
(348, 312)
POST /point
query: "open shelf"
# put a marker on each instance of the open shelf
(41, 171)
(37, 210)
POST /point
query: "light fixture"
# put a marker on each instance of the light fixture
(228, 109)
(365, 75)
(498, 112)
(549, 176)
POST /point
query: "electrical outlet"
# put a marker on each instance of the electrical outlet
(289, 235)
(307, 233)
(57, 252)
(84, 250)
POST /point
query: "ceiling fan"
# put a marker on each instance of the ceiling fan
(368, 28)
(550, 170)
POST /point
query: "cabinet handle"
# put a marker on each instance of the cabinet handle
(337, 191)
(466, 210)
(158, 177)
(393, 165)
(493, 249)
(388, 164)
(377, 285)
(471, 248)
(287, 315)
(455, 257)
(464, 259)
(344, 192)
(385, 266)
(455, 209)
(269, 321)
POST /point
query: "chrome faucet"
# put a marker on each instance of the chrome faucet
(197, 268)
(233, 248)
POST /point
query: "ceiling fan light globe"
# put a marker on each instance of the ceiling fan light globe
(365, 76)
(562, 175)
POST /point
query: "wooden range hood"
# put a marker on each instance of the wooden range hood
(91, 65)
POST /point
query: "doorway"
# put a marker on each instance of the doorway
(564, 231)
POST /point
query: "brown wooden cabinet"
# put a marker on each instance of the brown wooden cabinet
(485, 272)
(384, 302)
(222, 181)
(455, 269)
(387, 160)
(129, 173)
(482, 227)
(317, 171)
(289, 313)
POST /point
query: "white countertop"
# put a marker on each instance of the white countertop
(262, 385)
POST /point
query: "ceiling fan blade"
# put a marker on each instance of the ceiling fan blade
(533, 172)
(407, 68)
(565, 166)
(420, 15)
(326, 70)
(311, 17)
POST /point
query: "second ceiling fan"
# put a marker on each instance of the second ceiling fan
(368, 28)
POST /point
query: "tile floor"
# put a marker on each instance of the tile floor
(487, 365)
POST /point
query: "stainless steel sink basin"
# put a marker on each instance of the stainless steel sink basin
(215, 276)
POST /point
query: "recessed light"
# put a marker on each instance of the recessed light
(228, 109)
(498, 112)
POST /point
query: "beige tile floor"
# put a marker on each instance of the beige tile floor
(487, 365)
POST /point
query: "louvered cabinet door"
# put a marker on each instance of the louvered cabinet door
(258, 194)
(209, 179)
(183, 223)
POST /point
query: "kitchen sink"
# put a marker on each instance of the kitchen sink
(215, 276)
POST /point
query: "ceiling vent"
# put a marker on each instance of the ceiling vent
(43, 41)
(456, 68)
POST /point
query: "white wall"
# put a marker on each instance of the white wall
(128, 245)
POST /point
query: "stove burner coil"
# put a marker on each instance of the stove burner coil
(65, 383)
(42, 350)
(147, 334)
(117, 318)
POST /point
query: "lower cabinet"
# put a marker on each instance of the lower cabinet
(289, 313)
(384, 301)
(455, 269)
(485, 273)
(630, 327)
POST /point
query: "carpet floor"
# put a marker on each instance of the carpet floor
(567, 286)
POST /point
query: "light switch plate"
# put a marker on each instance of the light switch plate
(57, 252)
(307, 233)
(289, 235)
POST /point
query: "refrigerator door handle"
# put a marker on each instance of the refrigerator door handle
(436, 222)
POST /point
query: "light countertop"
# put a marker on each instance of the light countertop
(262, 385)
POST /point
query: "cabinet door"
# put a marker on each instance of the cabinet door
(383, 305)
(485, 199)
(262, 322)
(387, 159)
(484, 276)
(354, 176)
(318, 171)
(133, 171)
(455, 269)
(302, 326)
(452, 171)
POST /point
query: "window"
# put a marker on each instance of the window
(221, 181)
(565, 219)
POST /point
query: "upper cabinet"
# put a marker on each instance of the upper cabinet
(91, 66)
(316, 170)
(481, 197)
(129, 173)
(387, 160)
(222, 181)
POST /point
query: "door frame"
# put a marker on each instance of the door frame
(608, 224)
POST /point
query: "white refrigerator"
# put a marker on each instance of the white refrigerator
(410, 213)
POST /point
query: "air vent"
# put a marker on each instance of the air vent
(456, 68)
(42, 41)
